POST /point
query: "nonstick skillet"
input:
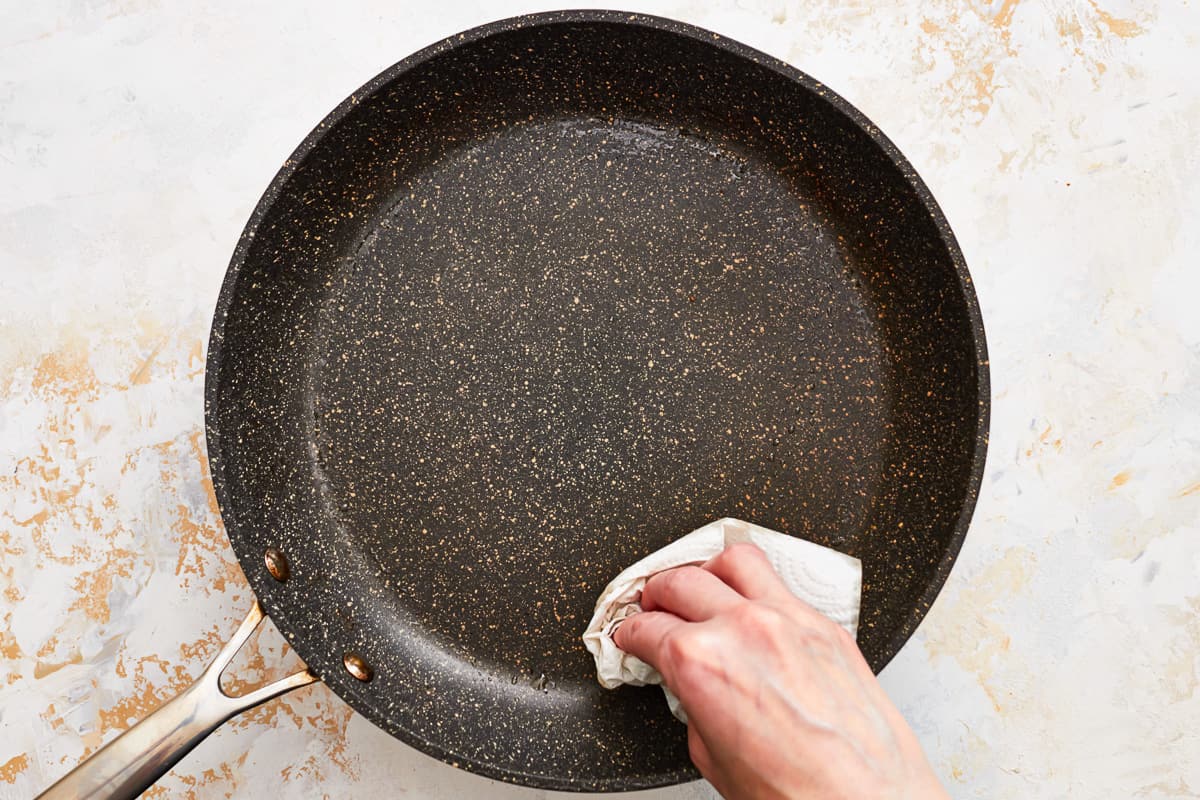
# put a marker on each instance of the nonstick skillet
(531, 304)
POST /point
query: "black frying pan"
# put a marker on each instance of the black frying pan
(538, 300)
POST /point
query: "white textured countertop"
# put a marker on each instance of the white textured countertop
(1061, 139)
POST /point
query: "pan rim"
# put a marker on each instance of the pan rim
(341, 684)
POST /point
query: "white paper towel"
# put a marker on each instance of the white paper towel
(829, 581)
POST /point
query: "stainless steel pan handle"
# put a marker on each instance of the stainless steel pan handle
(129, 764)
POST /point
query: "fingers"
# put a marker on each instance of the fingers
(644, 635)
(745, 568)
(692, 593)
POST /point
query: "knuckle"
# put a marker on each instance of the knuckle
(744, 551)
(696, 670)
(672, 581)
(677, 649)
(767, 624)
(760, 619)
(691, 657)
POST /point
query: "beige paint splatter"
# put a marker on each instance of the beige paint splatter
(1004, 16)
(1171, 787)
(141, 375)
(9, 648)
(1084, 34)
(10, 769)
(1045, 442)
(195, 359)
(981, 47)
(55, 476)
(1124, 28)
(966, 629)
(974, 47)
(202, 539)
(1178, 676)
(66, 374)
(1189, 490)
(316, 709)
(45, 666)
(93, 586)
(221, 781)
(10, 652)
(145, 696)
(975, 753)
(329, 725)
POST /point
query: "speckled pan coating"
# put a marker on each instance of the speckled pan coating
(543, 297)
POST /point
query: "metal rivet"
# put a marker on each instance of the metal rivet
(277, 564)
(355, 665)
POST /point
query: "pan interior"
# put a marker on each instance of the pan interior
(571, 341)
(542, 299)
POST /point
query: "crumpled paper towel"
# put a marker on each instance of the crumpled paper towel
(829, 581)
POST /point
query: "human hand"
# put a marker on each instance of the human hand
(780, 702)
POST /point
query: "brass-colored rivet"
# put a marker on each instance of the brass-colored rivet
(355, 665)
(277, 564)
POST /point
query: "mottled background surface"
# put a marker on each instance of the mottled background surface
(1061, 138)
